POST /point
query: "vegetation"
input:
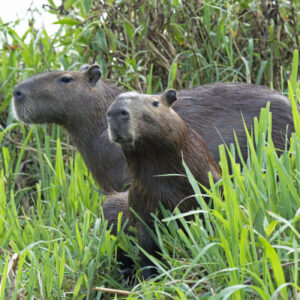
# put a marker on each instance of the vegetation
(54, 243)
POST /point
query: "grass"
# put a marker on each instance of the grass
(62, 247)
(54, 243)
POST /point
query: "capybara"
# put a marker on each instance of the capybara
(78, 100)
(154, 140)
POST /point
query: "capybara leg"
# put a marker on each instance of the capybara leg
(116, 203)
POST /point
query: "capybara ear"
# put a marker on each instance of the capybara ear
(170, 96)
(84, 67)
(93, 74)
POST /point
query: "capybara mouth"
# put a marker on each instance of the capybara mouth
(120, 136)
(18, 111)
(22, 112)
(122, 140)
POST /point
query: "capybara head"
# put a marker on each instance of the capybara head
(55, 96)
(135, 119)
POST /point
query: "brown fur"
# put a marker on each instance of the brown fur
(212, 110)
(117, 202)
(158, 140)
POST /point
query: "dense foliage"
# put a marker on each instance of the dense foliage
(53, 241)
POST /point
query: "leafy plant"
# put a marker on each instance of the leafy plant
(54, 243)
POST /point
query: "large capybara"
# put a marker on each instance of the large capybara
(78, 100)
(154, 140)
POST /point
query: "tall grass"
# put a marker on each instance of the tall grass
(60, 247)
(54, 243)
(61, 240)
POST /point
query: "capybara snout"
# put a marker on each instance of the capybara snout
(118, 119)
(118, 113)
(18, 94)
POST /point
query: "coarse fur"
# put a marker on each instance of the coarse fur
(222, 107)
(80, 105)
(154, 140)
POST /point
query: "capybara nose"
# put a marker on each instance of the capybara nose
(18, 94)
(118, 114)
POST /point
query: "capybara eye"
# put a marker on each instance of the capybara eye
(66, 79)
(155, 103)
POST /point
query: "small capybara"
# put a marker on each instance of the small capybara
(154, 140)
(78, 100)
